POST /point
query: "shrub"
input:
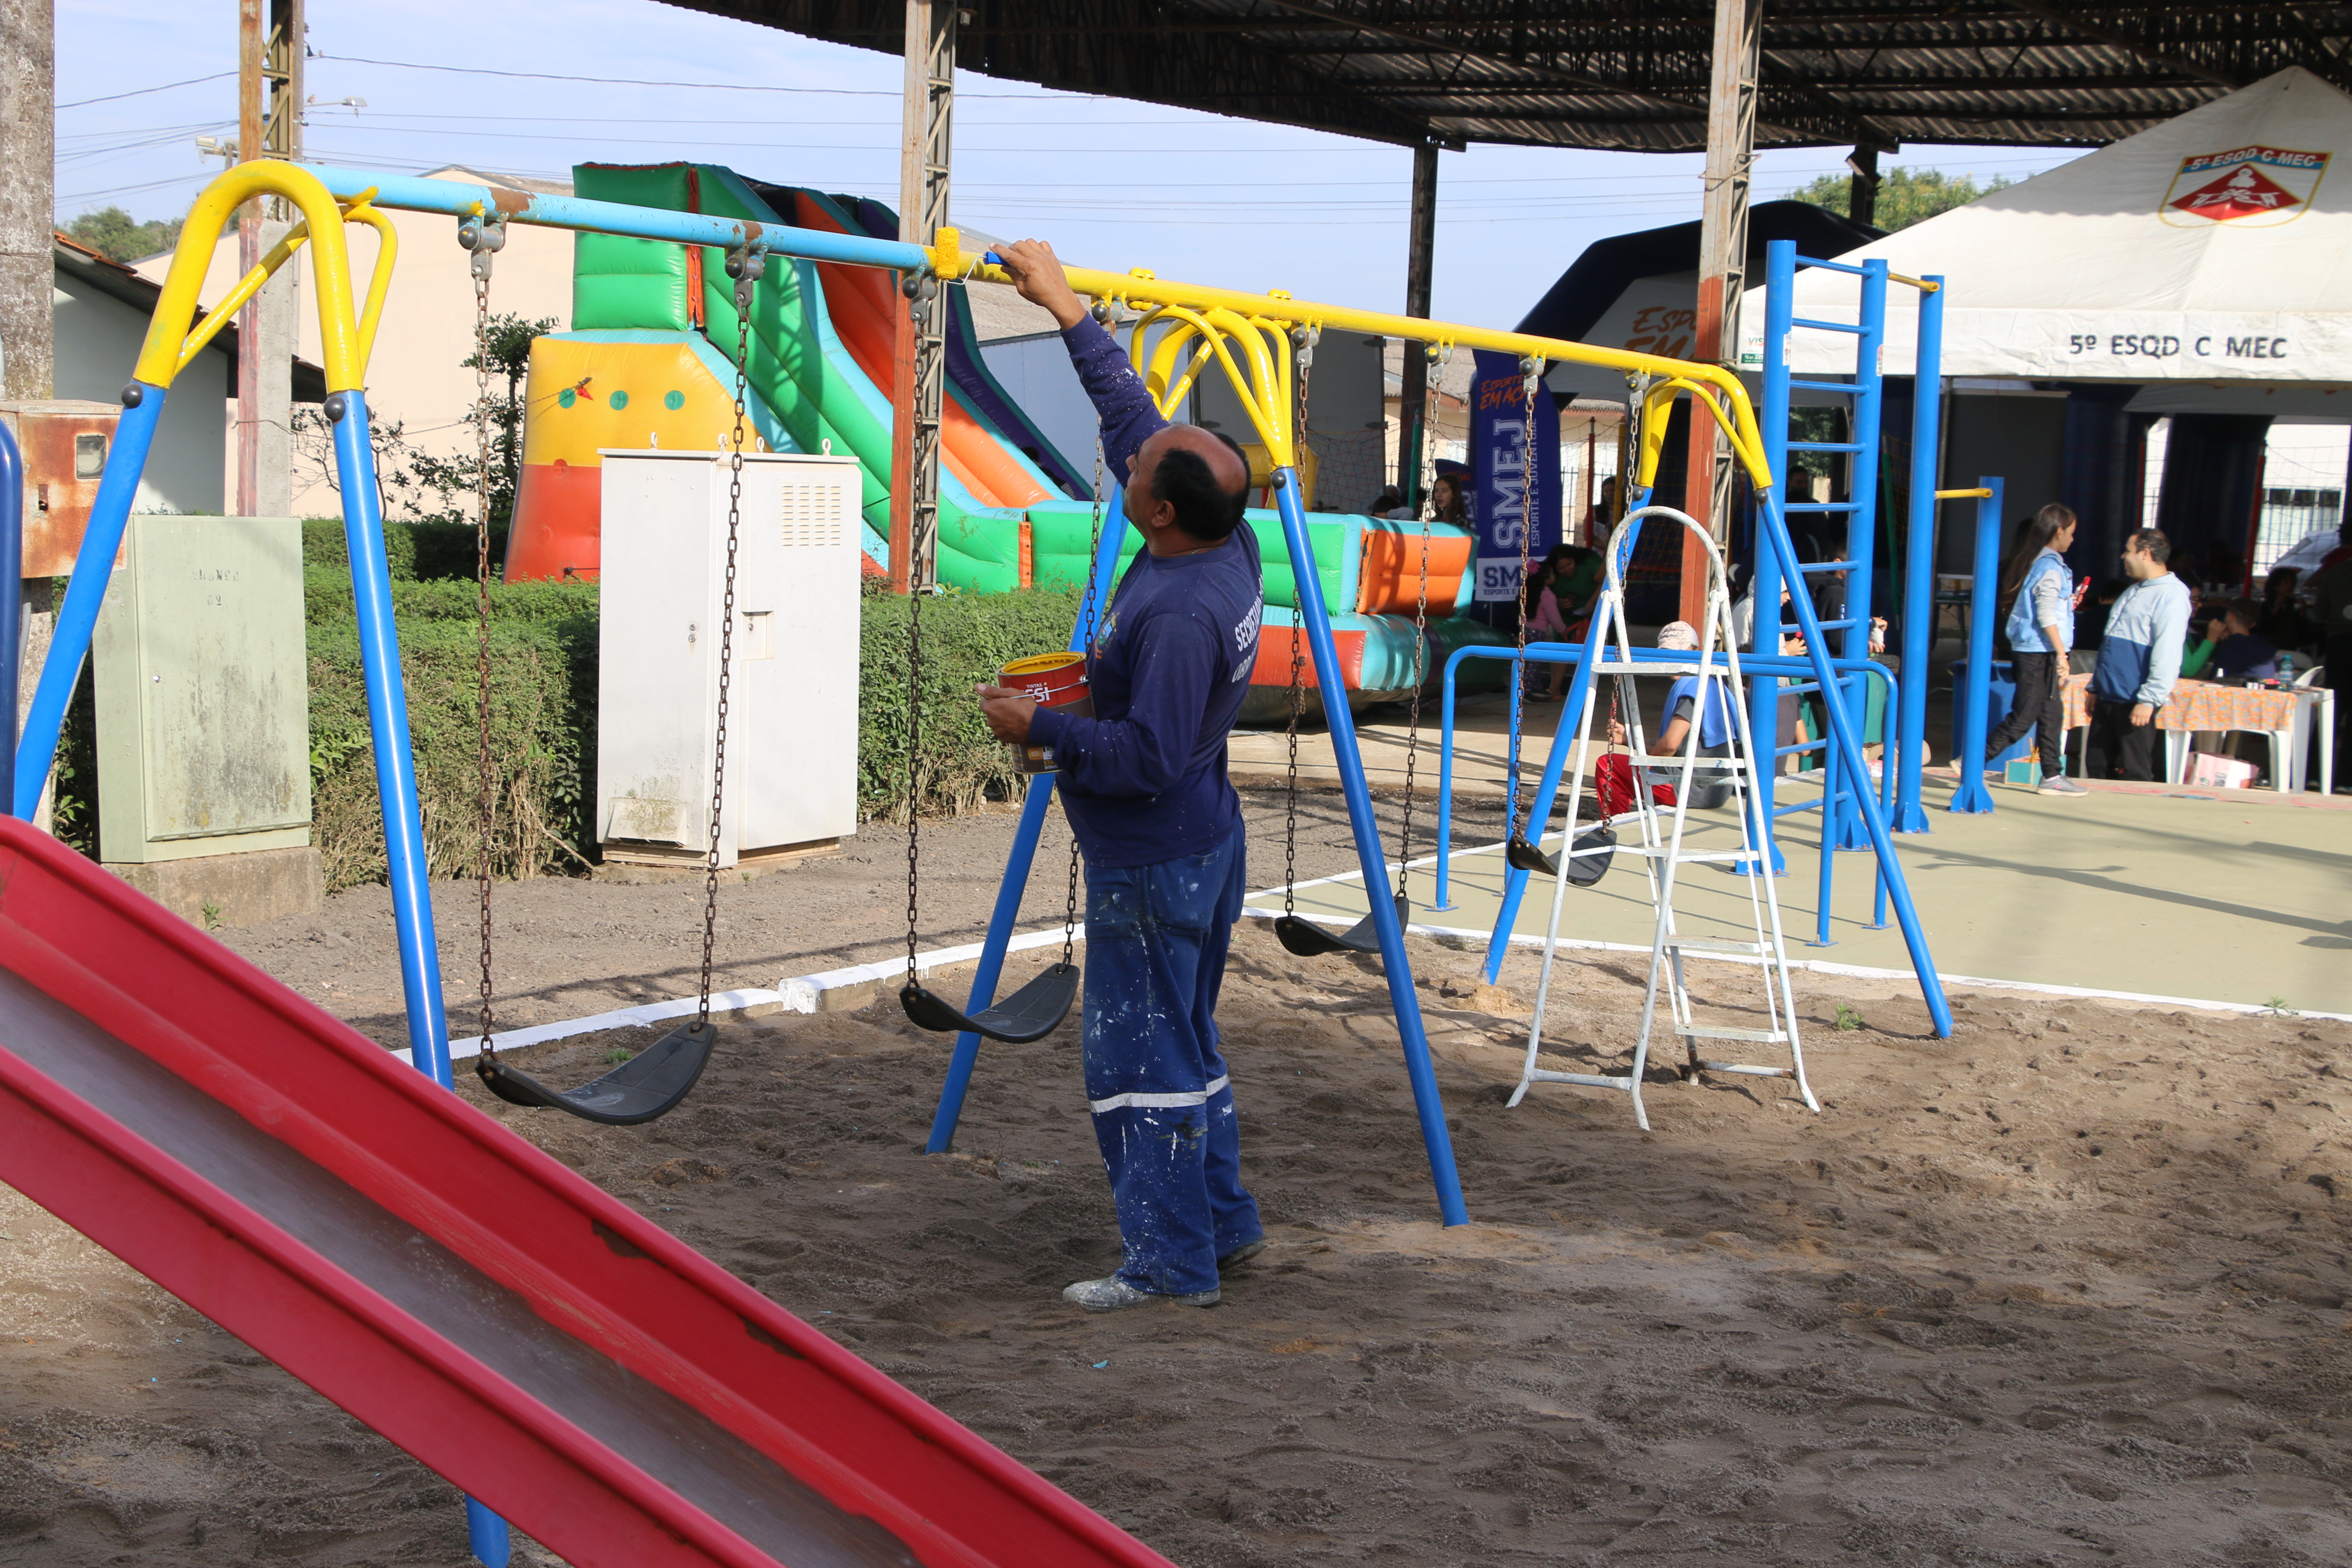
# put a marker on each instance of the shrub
(967, 638)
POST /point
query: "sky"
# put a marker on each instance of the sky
(1112, 183)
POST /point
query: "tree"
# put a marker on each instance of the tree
(1905, 197)
(415, 485)
(115, 235)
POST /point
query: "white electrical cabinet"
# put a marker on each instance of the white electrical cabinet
(791, 721)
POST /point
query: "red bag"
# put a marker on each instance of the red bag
(1613, 786)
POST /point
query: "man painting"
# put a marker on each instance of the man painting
(1143, 783)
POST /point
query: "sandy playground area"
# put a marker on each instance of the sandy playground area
(2069, 1288)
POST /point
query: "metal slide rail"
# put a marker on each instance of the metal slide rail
(567, 1360)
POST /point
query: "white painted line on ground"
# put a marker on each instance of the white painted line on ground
(1821, 966)
(800, 994)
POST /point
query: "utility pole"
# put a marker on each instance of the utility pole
(27, 200)
(920, 373)
(1722, 275)
(269, 125)
(1420, 257)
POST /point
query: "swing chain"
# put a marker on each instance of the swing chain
(1305, 338)
(745, 265)
(1532, 369)
(1087, 654)
(483, 238)
(1421, 607)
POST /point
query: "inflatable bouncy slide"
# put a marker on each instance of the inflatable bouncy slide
(650, 362)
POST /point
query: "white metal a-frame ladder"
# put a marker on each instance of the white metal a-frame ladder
(1714, 665)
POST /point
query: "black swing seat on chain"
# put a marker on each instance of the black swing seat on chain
(650, 1084)
(1308, 939)
(1586, 861)
(1032, 1012)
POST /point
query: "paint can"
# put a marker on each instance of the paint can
(1054, 680)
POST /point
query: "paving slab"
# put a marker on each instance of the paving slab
(2238, 896)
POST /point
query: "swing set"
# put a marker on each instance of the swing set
(1262, 344)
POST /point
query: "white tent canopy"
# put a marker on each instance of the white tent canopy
(2210, 250)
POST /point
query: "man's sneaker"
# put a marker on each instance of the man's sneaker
(1241, 1254)
(1113, 1294)
(2060, 785)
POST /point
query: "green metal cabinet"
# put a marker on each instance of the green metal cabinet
(202, 685)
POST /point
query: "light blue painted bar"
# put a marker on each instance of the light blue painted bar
(1827, 266)
(1017, 865)
(1763, 691)
(458, 199)
(110, 514)
(1830, 326)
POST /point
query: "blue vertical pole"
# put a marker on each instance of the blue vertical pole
(1919, 559)
(12, 596)
(1972, 795)
(1368, 853)
(117, 486)
(1017, 865)
(1861, 538)
(1764, 582)
(395, 781)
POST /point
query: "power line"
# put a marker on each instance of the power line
(144, 91)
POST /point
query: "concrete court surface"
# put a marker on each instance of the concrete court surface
(2227, 896)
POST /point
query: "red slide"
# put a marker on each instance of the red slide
(606, 1388)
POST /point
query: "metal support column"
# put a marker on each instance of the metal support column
(1862, 190)
(927, 140)
(1420, 250)
(1919, 559)
(1722, 277)
(1971, 795)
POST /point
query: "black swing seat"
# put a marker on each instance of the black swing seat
(648, 1085)
(1308, 939)
(1587, 860)
(1032, 1012)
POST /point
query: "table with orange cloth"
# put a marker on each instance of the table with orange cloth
(2212, 706)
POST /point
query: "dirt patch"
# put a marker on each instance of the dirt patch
(2070, 1288)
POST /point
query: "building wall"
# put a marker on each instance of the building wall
(414, 377)
(99, 338)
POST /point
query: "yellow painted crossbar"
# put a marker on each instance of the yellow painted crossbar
(1718, 387)
(1962, 495)
(345, 334)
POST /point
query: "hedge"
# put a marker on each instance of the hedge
(544, 710)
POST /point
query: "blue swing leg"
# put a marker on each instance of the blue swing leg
(966, 1054)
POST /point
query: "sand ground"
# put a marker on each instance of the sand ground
(2070, 1288)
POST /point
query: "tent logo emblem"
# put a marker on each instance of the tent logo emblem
(2254, 188)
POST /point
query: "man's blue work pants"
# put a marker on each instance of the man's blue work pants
(1157, 938)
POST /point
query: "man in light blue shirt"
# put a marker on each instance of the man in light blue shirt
(2139, 658)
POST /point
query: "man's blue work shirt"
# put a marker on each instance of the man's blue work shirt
(1144, 779)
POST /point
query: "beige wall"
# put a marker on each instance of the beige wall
(414, 377)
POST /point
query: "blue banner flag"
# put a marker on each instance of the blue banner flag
(1500, 505)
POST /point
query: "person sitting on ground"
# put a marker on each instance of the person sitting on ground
(1545, 622)
(1144, 784)
(2232, 649)
(2139, 658)
(1446, 503)
(2041, 594)
(1390, 502)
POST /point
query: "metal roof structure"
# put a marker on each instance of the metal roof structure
(1630, 75)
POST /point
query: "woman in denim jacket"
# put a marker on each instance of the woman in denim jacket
(2039, 592)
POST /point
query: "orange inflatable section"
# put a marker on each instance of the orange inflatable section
(1273, 666)
(1389, 581)
(864, 316)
